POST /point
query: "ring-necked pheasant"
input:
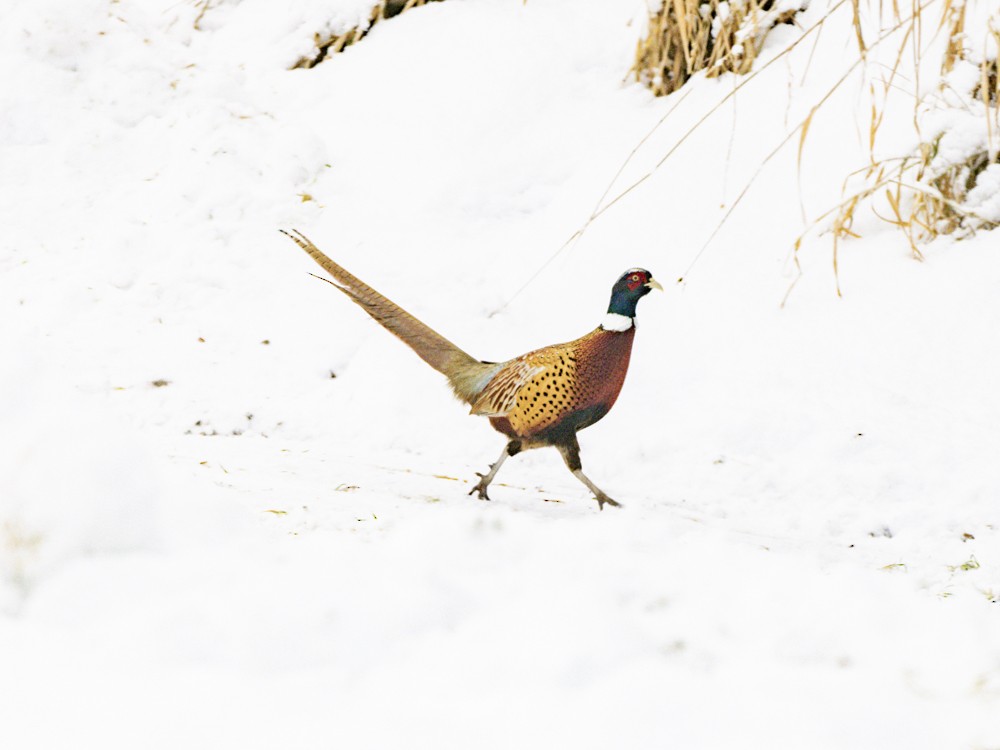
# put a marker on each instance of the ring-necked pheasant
(541, 398)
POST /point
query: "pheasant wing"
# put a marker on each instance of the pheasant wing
(499, 396)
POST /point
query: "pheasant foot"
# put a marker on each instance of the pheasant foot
(484, 482)
(484, 479)
(603, 499)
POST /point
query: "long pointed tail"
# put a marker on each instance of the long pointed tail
(467, 375)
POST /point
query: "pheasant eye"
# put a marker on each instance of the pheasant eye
(635, 277)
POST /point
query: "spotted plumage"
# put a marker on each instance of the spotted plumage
(572, 386)
(542, 398)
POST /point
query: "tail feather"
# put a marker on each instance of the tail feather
(467, 375)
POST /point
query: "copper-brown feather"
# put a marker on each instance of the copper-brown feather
(571, 385)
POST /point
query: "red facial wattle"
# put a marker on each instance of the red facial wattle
(635, 281)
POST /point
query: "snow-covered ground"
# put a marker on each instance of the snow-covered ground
(233, 511)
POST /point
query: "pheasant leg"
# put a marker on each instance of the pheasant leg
(484, 479)
(571, 455)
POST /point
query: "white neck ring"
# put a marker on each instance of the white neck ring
(615, 322)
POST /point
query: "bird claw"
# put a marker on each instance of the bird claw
(481, 487)
(602, 499)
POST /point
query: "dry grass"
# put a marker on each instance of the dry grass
(920, 193)
(925, 193)
(686, 36)
(605, 204)
(330, 44)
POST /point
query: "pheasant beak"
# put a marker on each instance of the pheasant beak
(653, 284)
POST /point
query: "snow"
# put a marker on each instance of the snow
(234, 512)
(984, 198)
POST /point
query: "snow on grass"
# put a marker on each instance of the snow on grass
(234, 512)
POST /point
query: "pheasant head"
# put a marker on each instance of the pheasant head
(633, 285)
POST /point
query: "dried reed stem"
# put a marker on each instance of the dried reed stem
(332, 43)
(686, 36)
